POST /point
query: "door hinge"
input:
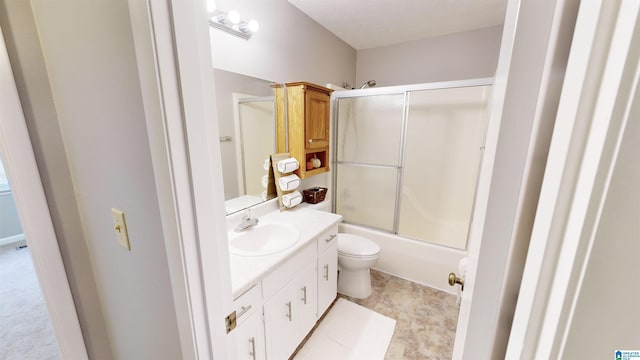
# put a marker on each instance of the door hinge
(230, 321)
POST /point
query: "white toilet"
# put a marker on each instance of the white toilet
(356, 255)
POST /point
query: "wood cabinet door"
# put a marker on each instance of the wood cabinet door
(327, 277)
(316, 120)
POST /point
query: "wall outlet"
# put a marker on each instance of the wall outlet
(120, 227)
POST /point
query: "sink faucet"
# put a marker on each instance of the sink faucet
(247, 222)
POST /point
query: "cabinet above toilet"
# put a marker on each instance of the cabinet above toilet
(304, 125)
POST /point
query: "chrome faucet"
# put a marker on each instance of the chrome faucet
(247, 222)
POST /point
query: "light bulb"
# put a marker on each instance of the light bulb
(233, 17)
(211, 5)
(253, 26)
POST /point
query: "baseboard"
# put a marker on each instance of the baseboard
(11, 239)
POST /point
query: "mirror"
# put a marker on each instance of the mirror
(246, 119)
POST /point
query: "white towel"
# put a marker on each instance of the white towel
(264, 195)
(265, 181)
(292, 199)
(288, 183)
(288, 165)
(267, 163)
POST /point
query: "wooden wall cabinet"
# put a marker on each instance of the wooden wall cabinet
(309, 116)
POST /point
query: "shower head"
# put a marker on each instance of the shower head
(370, 83)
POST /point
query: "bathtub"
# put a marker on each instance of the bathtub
(417, 261)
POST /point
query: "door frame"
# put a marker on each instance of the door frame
(602, 81)
(173, 52)
(20, 163)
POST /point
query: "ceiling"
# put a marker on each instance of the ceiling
(366, 24)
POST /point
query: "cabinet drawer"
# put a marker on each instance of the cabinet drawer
(327, 238)
(284, 273)
(247, 303)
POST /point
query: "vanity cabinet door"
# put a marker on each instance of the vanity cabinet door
(291, 314)
(250, 339)
(306, 292)
(279, 321)
(327, 277)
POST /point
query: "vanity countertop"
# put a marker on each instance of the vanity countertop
(248, 271)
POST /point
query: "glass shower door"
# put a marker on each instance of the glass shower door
(445, 130)
(369, 133)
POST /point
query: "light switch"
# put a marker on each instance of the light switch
(120, 227)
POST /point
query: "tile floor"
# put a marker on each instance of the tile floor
(426, 318)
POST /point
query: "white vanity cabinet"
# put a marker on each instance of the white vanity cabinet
(327, 269)
(291, 313)
(276, 314)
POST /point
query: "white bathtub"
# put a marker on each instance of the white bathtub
(417, 261)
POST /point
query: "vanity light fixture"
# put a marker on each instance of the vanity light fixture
(231, 23)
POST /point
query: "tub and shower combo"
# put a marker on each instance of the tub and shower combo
(405, 168)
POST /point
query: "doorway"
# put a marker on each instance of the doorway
(26, 331)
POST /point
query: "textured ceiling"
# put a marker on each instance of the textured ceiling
(366, 24)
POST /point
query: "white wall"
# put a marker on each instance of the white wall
(90, 61)
(23, 47)
(606, 315)
(466, 55)
(288, 47)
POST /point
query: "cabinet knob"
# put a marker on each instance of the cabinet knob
(310, 141)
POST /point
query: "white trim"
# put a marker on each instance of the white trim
(180, 110)
(20, 163)
(401, 89)
(11, 239)
(582, 149)
(577, 237)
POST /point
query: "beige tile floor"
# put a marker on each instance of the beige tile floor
(426, 318)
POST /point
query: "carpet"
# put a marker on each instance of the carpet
(25, 329)
(349, 331)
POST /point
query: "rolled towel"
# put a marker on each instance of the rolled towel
(291, 199)
(288, 165)
(288, 183)
(265, 181)
(264, 195)
(267, 163)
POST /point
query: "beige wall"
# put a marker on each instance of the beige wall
(87, 124)
(466, 55)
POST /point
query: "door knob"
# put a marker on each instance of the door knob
(453, 279)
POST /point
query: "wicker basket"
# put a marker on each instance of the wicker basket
(314, 195)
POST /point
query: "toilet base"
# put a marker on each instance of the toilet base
(355, 283)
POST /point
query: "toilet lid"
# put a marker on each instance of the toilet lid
(354, 245)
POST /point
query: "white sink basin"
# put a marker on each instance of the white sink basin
(266, 238)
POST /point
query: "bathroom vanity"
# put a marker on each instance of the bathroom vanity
(279, 297)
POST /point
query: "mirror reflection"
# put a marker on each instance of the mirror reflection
(247, 136)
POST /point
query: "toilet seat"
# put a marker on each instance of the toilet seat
(357, 247)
